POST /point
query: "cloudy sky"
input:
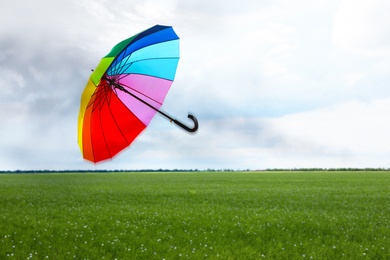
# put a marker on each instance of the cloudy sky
(274, 84)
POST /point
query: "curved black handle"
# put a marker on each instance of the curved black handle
(193, 129)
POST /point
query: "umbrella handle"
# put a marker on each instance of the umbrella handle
(191, 130)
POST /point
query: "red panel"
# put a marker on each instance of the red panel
(113, 126)
(99, 145)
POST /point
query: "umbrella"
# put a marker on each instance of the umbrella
(126, 90)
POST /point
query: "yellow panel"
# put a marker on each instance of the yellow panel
(85, 98)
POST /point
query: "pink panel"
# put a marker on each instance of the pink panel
(150, 89)
(155, 88)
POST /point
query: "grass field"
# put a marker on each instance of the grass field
(203, 215)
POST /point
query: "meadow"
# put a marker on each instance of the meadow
(199, 215)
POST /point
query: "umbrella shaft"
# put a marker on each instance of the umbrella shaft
(178, 123)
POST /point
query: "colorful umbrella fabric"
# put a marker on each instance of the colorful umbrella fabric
(126, 90)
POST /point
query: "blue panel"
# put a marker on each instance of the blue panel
(157, 51)
(160, 68)
(167, 34)
(165, 49)
(151, 30)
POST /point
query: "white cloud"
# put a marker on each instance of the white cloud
(354, 126)
(347, 134)
(10, 79)
(354, 77)
(363, 26)
(352, 134)
(156, 10)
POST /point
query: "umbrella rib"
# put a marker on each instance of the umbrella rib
(118, 67)
(142, 94)
(96, 102)
(143, 74)
(120, 130)
(117, 125)
(112, 115)
(123, 68)
(120, 64)
(104, 136)
(101, 96)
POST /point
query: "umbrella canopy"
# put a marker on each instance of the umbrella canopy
(126, 90)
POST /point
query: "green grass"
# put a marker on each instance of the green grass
(230, 215)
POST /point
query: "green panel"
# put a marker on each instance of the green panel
(119, 47)
(101, 69)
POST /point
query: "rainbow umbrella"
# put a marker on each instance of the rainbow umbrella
(126, 90)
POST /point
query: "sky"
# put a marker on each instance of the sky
(274, 84)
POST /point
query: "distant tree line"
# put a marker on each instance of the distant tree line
(94, 171)
(108, 171)
(190, 170)
(330, 169)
